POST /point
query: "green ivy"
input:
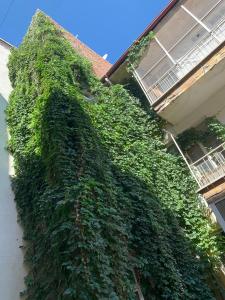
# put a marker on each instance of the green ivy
(134, 139)
(99, 197)
(137, 51)
(216, 127)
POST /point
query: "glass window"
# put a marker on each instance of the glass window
(199, 7)
(221, 208)
(215, 16)
(189, 42)
(195, 152)
(173, 27)
(211, 142)
(158, 71)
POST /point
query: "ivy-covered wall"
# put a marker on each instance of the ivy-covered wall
(98, 194)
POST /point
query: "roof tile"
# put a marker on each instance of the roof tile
(99, 64)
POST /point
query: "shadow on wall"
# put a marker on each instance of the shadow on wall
(11, 256)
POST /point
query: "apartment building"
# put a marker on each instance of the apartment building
(182, 74)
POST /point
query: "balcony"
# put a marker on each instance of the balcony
(173, 54)
(210, 167)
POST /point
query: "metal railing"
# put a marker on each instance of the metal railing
(210, 167)
(188, 62)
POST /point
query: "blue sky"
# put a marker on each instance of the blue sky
(107, 26)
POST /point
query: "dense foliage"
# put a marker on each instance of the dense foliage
(217, 128)
(98, 195)
(134, 140)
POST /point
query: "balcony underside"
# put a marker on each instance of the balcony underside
(190, 101)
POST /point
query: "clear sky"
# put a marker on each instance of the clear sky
(107, 26)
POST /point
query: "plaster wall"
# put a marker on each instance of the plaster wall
(212, 107)
(11, 256)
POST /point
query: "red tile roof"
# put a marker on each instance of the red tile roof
(99, 64)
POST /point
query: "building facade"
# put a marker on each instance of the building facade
(182, 74)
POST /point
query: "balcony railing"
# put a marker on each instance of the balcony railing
(184, 65)
(210, 167)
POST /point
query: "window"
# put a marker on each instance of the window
(211, 142)
(214, 18)
(199, 8)
(221, 208)
(194, 153)
(218, 208)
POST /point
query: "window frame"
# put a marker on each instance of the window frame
(217, 213)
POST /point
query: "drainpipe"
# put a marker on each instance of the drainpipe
(108, 81)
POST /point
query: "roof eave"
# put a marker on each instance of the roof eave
(150, 27)
(7, 43)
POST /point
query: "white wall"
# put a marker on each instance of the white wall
(12, 271)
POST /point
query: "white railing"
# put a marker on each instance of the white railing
(188, 62)
(210, 167)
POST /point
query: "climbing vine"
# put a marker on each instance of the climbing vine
(64, 188)
(216, 127)
(137, 51)
(100, 198)
(136, 145)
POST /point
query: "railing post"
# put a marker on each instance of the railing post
(139, 81)
(180, 67)
(184, 158)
